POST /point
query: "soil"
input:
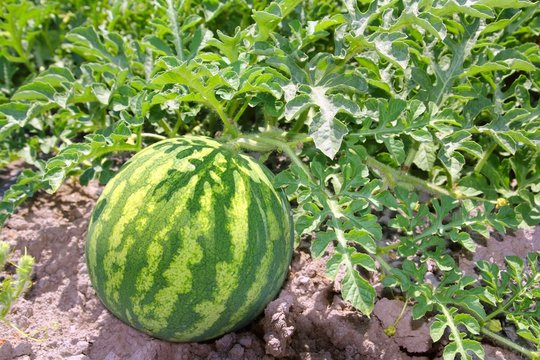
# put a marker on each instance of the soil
(60, 317)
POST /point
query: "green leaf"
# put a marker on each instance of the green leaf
(327, 133)
(15, 111)
(422, 136)
(464, 239)
(102, 93)
(333, 264)
(320, 243)
(266, 21)
(358, 292)
(35, 91)
(363, 238)
(509, 64)
(57, 77)
(364, 261)
(506, 4)
(437, 328)
(396, 148)
(425, 156)
(420, 309)
(469, 322)
(296, 106)
(88, 43)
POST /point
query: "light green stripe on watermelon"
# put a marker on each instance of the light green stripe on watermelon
(157, 165)
(238, 308)
(255, 172)
(227, 276)
(116, 257)
(178, 275)
(98, 227)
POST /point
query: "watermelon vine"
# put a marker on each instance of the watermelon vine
(426, 112)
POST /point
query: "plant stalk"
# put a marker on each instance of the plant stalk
(510, 344)
(153, 136)
(167, 128)
(396, 176)
(485, 156)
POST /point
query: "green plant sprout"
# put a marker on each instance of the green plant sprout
(12, 287)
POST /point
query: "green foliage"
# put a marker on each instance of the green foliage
(427, 112)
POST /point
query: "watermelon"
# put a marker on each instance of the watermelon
(189, 240)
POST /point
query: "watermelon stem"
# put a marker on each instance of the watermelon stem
(394, 177)
(260, 142)
(510, 344)
(153, 136)
(167, 128)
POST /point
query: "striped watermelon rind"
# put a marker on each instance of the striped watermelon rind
(189, 240)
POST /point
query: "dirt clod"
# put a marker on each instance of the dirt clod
(412, 335)
(6, 350)
(22, 348)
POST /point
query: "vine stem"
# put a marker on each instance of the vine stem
(388, 248)
(19, 331)
(389, 173)
(178, 123)
(508, 343)
(109, 149)
(228, 125)
(484, 158)
(241, 111)
(391, 330)
(166, 127)
(383, 263)
(153, 136)
(394, 177)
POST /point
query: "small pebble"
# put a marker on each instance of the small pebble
(224, 344)
(23, 348)
(237, 352)
(18, 224)
(81, 346)
(246, 341)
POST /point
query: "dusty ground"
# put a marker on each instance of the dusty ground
(63, 319)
